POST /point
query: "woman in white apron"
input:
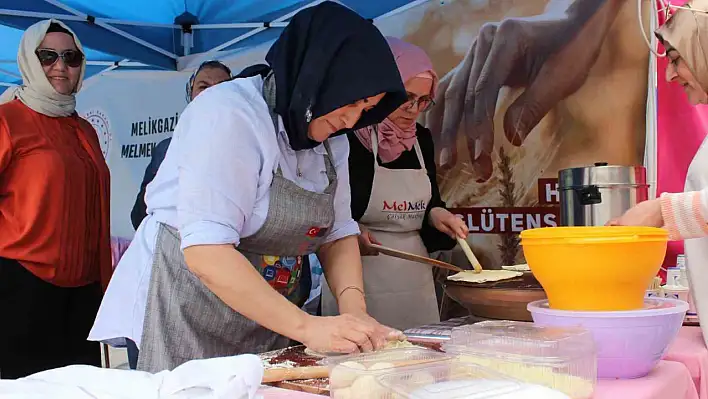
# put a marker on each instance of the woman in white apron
(249, 187)
(685, 215)
(397, 203)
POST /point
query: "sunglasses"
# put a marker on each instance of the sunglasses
(72, 58)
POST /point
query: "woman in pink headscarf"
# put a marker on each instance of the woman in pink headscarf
(395, 199)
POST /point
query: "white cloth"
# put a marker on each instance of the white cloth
(36, 92)
(236, 377)
(697, 249)
(214, 186)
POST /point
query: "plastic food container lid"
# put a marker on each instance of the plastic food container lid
(521, 341)
(457, 380)
(401, 355)
(593, 234)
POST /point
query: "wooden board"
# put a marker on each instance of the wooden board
(415, 258)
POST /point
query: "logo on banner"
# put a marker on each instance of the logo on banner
(101, 124)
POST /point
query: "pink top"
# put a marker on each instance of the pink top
(685, 214)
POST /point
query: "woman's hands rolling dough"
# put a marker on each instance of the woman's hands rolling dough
(549, 57)
(365, 241)
(444, 221)
(346, 334)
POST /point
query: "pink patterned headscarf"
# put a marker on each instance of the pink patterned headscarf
(412, 62)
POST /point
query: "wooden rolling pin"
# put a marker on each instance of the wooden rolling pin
(295, 373)
(470, 255)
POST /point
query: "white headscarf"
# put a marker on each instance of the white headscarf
(687, 32)
(36, 92)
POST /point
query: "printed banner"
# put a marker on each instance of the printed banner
(131, 113)
(527, 88)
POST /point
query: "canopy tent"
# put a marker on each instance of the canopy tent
(160, 34)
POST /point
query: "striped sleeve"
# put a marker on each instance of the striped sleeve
(685, 214)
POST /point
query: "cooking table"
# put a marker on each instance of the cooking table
(683, 374)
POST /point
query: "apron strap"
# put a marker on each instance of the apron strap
(374, 131)
(420, 155)
(270, 99)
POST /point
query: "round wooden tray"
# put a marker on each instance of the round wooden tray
(501, 300)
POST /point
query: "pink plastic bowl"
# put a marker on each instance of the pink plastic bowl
(629, 343)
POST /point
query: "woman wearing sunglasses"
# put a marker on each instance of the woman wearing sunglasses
(395, 199)
(55, 248)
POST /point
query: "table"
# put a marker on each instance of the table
(668, 380)
(690, 349)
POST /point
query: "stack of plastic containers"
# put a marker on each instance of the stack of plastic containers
(559, 358)
(424, 374)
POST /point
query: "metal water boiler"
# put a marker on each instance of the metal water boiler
(594, 195)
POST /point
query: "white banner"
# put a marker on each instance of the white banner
(131, 112)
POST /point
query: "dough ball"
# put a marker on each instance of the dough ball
(342, 375)
(382, 366)
(342, 393)
(368, 387)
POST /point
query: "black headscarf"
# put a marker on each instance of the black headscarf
(328, 57)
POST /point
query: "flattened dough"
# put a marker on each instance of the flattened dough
(523, 267)
(389, 345)
(469, 276)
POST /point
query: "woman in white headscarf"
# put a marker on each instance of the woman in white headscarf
(55, 252)
(685, 215)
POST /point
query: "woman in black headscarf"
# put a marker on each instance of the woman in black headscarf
(253, 182)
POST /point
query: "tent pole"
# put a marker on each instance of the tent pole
(246, 35)
(113, 29)
(9, 73)
(40, 15)
(401, 9)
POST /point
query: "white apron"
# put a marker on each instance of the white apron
(399, 293)
(697, 249)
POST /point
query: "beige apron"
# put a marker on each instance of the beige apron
(399, 293)
(697, 249)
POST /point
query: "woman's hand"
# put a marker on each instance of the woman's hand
(444, 221)
(365, 241)
(346, 334)
(646, 213)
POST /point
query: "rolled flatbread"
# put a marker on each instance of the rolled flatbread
(469, 276)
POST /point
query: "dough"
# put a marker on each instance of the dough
(523, 267)
(342, 393)
(343, 375)
(389, 345)
(469, 276)
(368, 387)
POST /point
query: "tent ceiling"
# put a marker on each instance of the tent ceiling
(144, 34)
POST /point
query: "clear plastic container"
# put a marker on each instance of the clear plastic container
(355, 376)
(563, 359)
(456, 380)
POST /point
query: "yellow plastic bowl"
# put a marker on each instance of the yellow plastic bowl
(595, 268)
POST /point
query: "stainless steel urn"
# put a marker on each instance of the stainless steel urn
(594, 195)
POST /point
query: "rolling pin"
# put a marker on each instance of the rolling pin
(295, 373)
(470, 255)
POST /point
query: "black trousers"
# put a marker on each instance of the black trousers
(44, 326)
